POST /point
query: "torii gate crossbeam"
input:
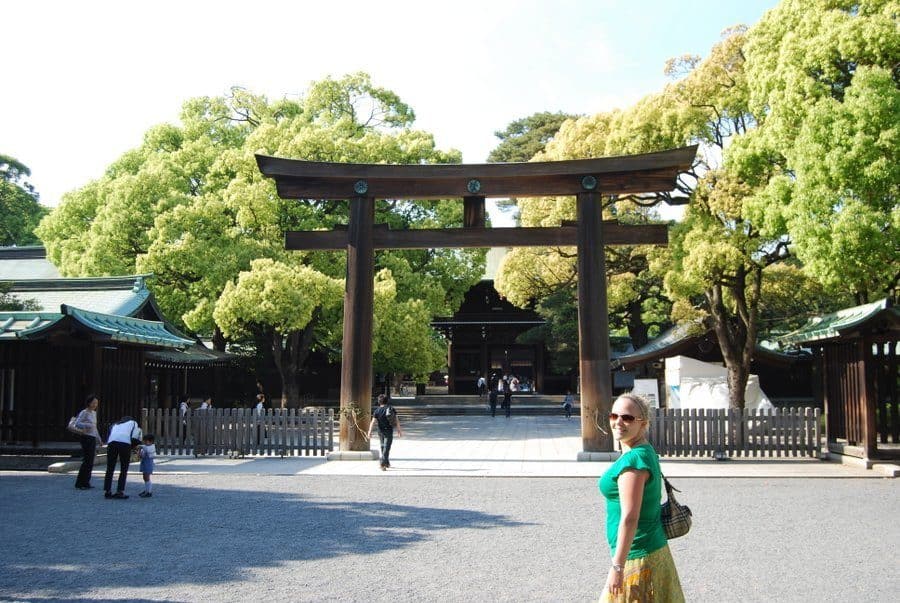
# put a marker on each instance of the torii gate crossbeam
(587, 179)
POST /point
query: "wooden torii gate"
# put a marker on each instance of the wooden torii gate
(588, 179)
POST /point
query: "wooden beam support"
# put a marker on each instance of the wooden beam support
(359, 305)
(619, 183)
(593, 326)
(473, 212)
(552, 236)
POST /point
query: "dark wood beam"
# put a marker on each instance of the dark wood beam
(279, 166)
(593, 326)
(618, 183)
(650, 172)
(428, 238)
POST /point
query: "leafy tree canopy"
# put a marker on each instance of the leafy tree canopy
(823, 78)
(524, 138)
(404, 343)
(190, 205)
(20, 209)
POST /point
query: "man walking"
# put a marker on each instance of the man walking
(386, 417)
(507, 395)
(492, 396)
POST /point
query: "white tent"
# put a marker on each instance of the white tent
(694, 384)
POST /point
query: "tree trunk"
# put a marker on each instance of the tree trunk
(218, 339)
(736, 333)
(290, 352)
(637, 329)
(290, 392)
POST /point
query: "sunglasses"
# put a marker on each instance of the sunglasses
(626, 418)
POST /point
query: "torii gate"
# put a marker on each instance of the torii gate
(587, 179)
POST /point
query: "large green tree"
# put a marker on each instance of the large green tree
(20, 208)
(637, 303)
(713, 267)
(279, 304)
(191, 207)
(824, 82)
(719, 251)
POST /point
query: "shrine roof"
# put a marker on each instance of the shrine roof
(124, 296)
(39, 325)
(680, 338)
(195, 356)
(880, 315)
(26, 262)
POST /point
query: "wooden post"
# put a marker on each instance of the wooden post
(593, 326)
(867, 397)
(473, 212)
(359, 299)
(451, 380)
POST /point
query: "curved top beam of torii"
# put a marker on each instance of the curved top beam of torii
(646, 173)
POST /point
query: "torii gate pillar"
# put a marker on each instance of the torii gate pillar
(359, 299)
(593, 328)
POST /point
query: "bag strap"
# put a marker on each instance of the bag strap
(669, 486)
(670, 496)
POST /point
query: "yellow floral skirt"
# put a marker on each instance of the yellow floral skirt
(650, 579)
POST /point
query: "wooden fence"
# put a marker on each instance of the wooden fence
(240, 431)
(788, 432)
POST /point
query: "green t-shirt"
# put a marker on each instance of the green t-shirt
(649, 536)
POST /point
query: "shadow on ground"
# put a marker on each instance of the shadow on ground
(60, 541)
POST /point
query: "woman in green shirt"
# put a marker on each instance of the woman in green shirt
(642, 566)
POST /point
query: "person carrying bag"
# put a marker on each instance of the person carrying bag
(84, 425)
(642, 568)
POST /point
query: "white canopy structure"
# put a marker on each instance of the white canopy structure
(694, 384)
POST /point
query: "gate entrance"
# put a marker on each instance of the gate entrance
(589, 180)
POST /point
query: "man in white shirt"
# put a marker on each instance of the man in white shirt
(260, 413)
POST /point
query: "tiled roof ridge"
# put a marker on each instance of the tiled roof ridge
(26, 252)
(135, 281)
(122, 328)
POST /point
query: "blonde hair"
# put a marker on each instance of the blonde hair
(640, 401)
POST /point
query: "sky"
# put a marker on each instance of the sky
(85, 80)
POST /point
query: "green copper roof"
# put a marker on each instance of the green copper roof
(36, 325)
(26, 325)
(842, 322)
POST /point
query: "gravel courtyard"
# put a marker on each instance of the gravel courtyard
(230, 537)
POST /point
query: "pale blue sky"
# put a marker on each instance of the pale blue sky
(92, 76)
